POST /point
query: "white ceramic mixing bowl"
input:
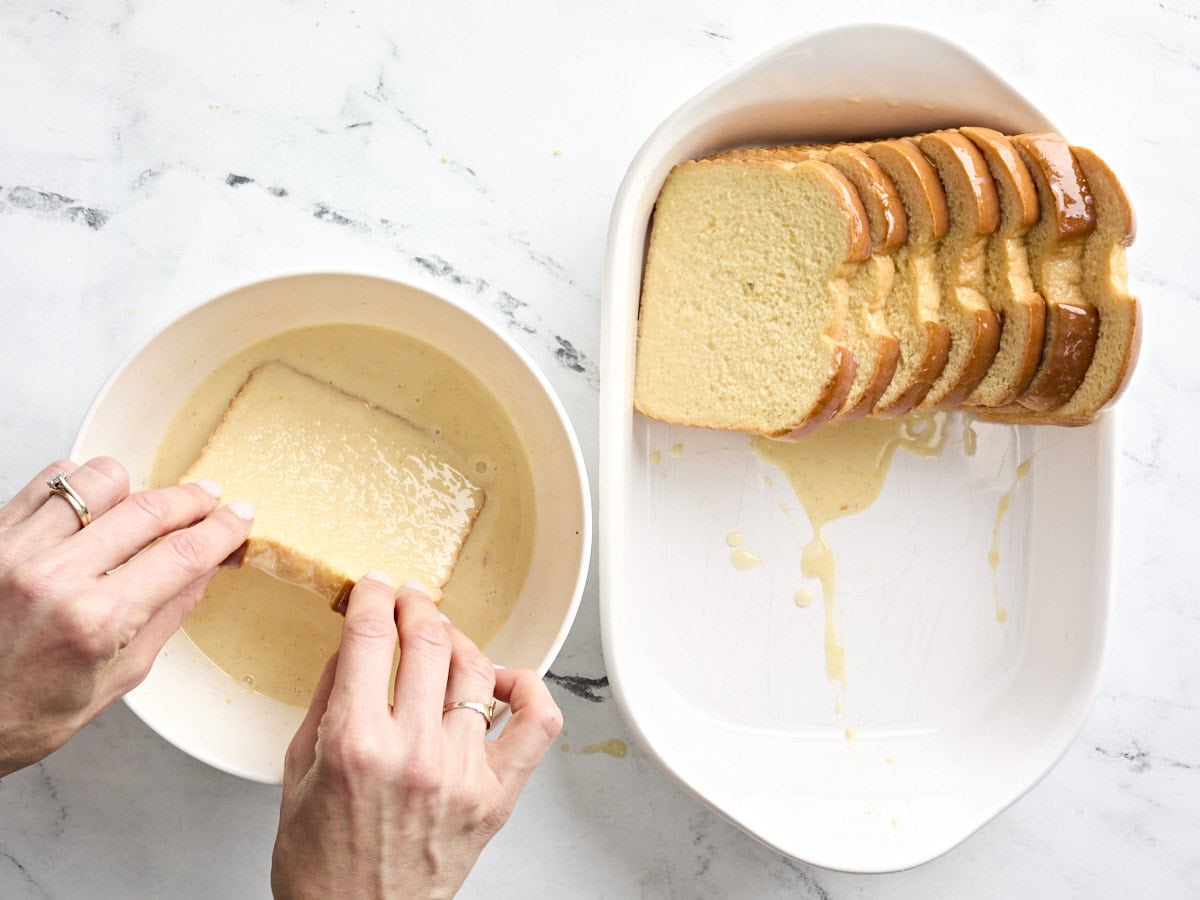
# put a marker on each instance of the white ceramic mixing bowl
(186, 698)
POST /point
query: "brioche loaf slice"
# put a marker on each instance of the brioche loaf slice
(1055, 246)
(974, 210)
(339, 487)
(866, 334)
(912, 305)
(877, 348)
(744, 296)
(1105, 284)
(1009, 288)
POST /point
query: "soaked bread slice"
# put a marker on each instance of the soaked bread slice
(339, 487)
(912, 305)
(745, 293)
(974, 210)
(1056, 245)
(1105, 285)
(866, 333)
(1008, 286)
(877, 348)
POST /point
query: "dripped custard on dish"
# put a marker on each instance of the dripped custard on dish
(274, 637)
(838, 471)
(994, 553)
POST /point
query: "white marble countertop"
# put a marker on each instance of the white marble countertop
(154, 154)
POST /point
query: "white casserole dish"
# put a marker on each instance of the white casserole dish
(952, 714)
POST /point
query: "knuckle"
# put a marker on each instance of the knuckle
(479, 667)
(421, 775)
(113, 471)
(367, 627)
(425, 636)
(494, 817)
(189, 551)
(86, 633)
(152, 506)
(30, 583)
(465, 799)
(550, 718)
(351, 752)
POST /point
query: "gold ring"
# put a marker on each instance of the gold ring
(59, 485)
(487, 710)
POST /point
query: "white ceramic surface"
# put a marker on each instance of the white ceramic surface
(721, 676)
(186, 698)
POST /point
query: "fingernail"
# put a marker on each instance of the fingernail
(498, 666)
(445, 618)
(209, 487)
(381, 577)
(416, 587)
(234, 559)
(242, 509)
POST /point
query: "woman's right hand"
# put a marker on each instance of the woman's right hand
(393, 796)
(85, 610)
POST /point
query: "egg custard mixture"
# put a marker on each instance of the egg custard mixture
(273, 637)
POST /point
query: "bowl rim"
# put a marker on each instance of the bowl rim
(582, 482)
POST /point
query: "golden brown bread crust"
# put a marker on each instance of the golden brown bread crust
(881, 200)
(860, 236)
(1071, 329)
(1018, 212)
(1010, 174)
(928, 220)
(1049, 156)
(928, 217)
(889, 230)
(983, 217)
(1114, 213)
(831, 400)
(1118, 321)
(937, 350)
(1071, 332)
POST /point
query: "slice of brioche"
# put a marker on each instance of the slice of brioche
(1055, 246)
(1009, 287)
(866, 333)
(961, 256)
(1105, 284)
(744, 296)
(912, 305)
(339, 487)
(872, 285)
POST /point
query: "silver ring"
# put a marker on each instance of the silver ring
(59, 485)
(487, 710)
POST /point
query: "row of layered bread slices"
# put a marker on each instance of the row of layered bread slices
(789, 286)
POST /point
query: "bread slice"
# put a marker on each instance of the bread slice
(1009, 287)
(744, 296)
(866, 333)
(877, 349)
(912, 305)
(1105, 285)
(1055, 246)
(339, 487)
(961, 255)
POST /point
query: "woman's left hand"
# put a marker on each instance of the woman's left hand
(84, 610)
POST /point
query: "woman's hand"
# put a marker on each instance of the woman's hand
(399, 799)
(83, 610)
